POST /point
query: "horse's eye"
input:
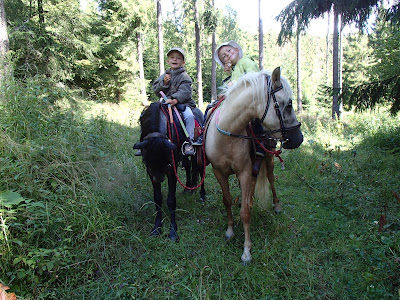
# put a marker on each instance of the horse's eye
(290, 102)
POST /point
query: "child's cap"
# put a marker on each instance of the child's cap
(230, 43)
(178, 50)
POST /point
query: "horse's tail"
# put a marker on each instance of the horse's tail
(261, 191)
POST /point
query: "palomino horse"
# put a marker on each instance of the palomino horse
(160, 144)
(262, 96)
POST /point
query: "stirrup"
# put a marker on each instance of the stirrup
(190, 152)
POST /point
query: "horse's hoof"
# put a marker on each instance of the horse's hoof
(156, 231)
(173, 236)
(277, 209)
(202, 198)
(246, 257)
(229, 237)
(246, 263)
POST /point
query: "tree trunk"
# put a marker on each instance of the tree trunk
(213, 63)
(299, 96)
(340, 65)
(4, 43)
(198, 56)
(336, 89)
(260, 38)
(160, 38)
(327, 49)
(141, 69)
(213, 70)
(41, 13)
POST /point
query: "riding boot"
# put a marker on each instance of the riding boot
(256, 166)
(259, 151)
(198, 141)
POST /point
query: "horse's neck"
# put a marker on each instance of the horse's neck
(237, 111)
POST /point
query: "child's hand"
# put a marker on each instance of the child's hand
(171, 101)
(167, 78)
(228, 67)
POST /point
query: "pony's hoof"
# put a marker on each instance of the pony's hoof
(173, 236)
(202, 198)
(156, 231)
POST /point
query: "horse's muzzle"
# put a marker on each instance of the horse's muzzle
(294, 138)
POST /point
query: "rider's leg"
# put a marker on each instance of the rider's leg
(258, 130)
(189, 123)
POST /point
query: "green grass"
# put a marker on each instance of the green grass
(81, 230)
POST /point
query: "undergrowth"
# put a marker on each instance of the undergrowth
(76, 211)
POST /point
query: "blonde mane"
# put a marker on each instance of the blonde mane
(257, 82)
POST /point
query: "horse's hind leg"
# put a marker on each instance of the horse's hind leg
(158, 202)
(269, 160)
(171, 202)
(227, 198)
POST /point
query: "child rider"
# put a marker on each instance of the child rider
(177, 86)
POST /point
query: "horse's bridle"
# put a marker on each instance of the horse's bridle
(282, 129)
(155, 134)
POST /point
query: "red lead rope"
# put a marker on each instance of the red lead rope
(173, 157)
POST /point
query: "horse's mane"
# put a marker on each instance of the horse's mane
(150, 119)
(258, 83)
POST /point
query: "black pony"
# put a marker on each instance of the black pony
(160, 144)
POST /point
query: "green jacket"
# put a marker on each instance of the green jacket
(243, 66)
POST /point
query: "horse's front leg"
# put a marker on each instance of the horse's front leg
(202, 192)
(269, 160)
(171, 202)
(227, 198)
(186, 164)
(158, 202)
(247, 185)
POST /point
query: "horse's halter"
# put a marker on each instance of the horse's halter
(271, 94)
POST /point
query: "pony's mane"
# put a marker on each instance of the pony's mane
(258, 83)
(150, 119)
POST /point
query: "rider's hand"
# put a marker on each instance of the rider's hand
(171, 101)
(167, 78)
(228, 68)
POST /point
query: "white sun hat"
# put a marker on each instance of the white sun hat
(230, 43)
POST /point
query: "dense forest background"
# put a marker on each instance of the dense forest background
(98, 48)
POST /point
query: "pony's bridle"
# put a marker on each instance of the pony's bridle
(282, 129)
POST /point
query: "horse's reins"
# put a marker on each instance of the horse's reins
(173, 156)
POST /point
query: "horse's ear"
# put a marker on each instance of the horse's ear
(169, 145)
(141, 145)
(276, 77)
